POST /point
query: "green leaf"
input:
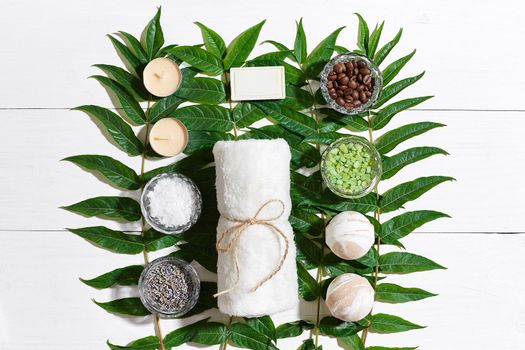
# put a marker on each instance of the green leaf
(182, 335)
(341, 49)
(392, 90)
(325, 138)
(241, 47)
(380, 56)
(387, 113)
(244, 336)
(300, 50)
(303, 154)
(335, 121)
(202, 90)
(154, 240)
(115, 241)
(129, 82)
(395, 197)
(370, 258)
(275, 56)
(309, 250)
(297, 99)
(136, 47)
(213, 42)
(334, 204)
(153, 36)
(204, 118)
(305, 190)
(125, 276)
(129, 57)
(108, 207)
(402, 262)
(163, 108)
(147, 343)
(308, 287)
(353, 342)
(391, 71)
(289, 119)
(331, 326)
(199, 140)
(198, 58)
(130, 106)
(383, 323)
(389, 140)
(402, 225)
(306, 222)
(395, 163)
(309, 344)
(263, 325)
(363, 34)
(392, 293)
(210, 333)
(125, 306)
(388, 348)
(336, 266)
(187, 166)
(374, 40)
(245, 114)
(279, 46)
(118, 130)
(314, 63)
(293, 329)
(117, 173)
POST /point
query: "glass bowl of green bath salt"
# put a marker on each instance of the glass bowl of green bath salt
(351, 167)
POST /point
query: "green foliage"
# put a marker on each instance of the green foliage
(304, 121)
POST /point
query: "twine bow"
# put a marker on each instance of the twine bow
(238, 230)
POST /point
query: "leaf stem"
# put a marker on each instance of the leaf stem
(156, 320)
(226, 81)
(320, 269)
(377, 214)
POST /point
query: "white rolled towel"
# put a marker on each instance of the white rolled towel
(254, 176)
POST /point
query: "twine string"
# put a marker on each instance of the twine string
(237, 231)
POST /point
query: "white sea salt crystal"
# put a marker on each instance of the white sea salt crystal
(172, 202)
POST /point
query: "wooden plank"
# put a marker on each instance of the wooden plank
(34, 183)
(46, 63)
(481, 297)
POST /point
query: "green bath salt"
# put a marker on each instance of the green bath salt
(351, 167)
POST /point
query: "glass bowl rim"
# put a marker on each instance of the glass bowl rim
(371, 150)
(188, 269)
(378, 82)
(145, 213)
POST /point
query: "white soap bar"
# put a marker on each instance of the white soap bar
(257, 83)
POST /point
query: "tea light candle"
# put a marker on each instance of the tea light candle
(168, 137)
(162, 77)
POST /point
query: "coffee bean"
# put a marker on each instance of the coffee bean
(368, 93)
(340, 93)
(338, 68)
(353, 84)
(341, 76)
(333, 95)
(360, 88)
(356, 103)
(349, 66)
(364, 71)
(340, 101)
(332, 77)
(344, 80)
(348, 92)
(348, 106)
(367, 79)
(362, 97)
(355, 95)
(356, 71)
(361, 64)
(329, 85)
(343, 87)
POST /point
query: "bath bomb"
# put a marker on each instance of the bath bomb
(350, 235)
(350, 297)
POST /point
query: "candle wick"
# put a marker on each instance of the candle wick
(161, 138)
(158, 76)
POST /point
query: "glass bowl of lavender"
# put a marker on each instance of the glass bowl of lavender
(169, 287)
(351, 83)
(171, 203)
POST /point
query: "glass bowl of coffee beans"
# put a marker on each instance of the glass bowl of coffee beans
(169, 287)
(351, 167)
(351, 83)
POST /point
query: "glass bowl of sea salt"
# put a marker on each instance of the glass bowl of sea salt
(171, 203)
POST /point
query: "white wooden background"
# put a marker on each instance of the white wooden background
(473, 53)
